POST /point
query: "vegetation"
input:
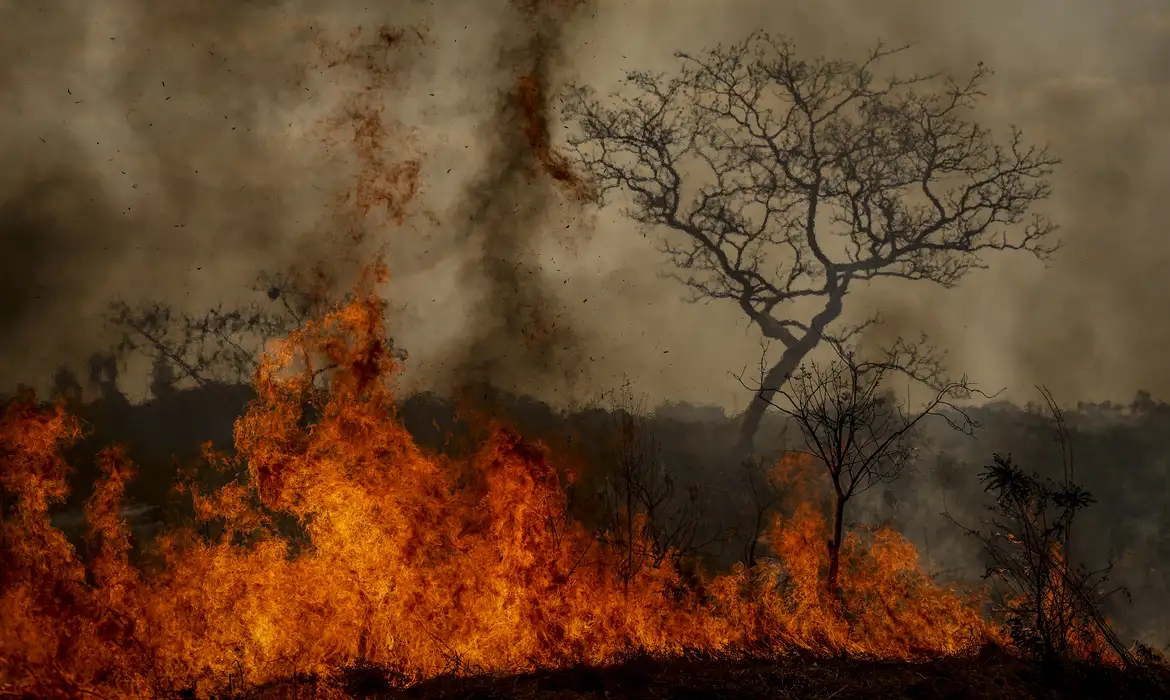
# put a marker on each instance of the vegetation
(340, 540)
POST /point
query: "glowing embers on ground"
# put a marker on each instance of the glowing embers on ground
(415, 562)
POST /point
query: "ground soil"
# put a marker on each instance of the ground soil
(995, 677)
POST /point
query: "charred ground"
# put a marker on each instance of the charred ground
(993, 675)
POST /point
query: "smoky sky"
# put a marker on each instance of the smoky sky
(143, 160)
(169, 151)
(1087, 78)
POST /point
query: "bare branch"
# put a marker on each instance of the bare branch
(780, 180)
(221, 344)
(857, 429)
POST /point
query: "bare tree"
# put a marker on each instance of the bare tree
(785, 182)
(863, 434)
(764, 494)
(644, 514)
(223, 343)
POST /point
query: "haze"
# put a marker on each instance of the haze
(170, 151)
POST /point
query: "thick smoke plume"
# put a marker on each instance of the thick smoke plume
(521, 331)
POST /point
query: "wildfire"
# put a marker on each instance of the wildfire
(412, 561)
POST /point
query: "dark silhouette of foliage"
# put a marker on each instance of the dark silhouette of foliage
(1051, 604)
(646, 514)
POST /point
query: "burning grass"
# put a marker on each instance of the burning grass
(414, 563)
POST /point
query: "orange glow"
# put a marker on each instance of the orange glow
(413, 561)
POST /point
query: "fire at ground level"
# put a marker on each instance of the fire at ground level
(417, 566)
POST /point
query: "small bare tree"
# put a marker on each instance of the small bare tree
(764, 494)
(644, 513)
(221, 343)
(785, 182)
(863, 434)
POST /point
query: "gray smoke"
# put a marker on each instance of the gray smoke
(521, 335)
(168, 151)
(149, 155)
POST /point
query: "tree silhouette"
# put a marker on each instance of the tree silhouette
(861, 433)
(1051, 604)
(223, 343)
(784, 183)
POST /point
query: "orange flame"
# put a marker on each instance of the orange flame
(412, 561)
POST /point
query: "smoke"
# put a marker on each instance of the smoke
(169, 152)
(520, 336)
(150, 154)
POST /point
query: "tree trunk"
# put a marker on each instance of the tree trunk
(795, 350)
(773, 381)
(835, 544)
